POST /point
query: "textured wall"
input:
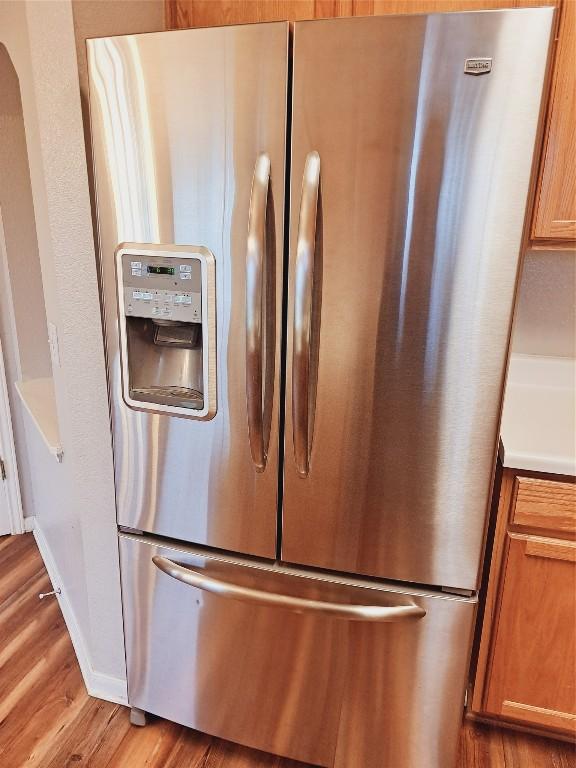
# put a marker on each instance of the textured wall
(75, 505)
(21, 243)
(74, 500)
(545, 321)
(22, 312)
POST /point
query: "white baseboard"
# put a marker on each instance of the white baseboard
(97, 684)
(29, 524)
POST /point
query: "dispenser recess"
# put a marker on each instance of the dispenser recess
(166, 314)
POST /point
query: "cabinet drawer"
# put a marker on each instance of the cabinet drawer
(532, 677)
(545, 504)
(310, 685)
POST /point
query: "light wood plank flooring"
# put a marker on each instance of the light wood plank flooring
(48, 721)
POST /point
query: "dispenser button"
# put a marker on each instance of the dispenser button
(186, 276)
(147, 295)
(137, 272)
(136, 264)
(136, 294)
(169, 298)
(185, 267)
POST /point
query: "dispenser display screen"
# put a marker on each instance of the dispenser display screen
(153, 270)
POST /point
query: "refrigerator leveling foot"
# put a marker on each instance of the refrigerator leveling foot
(137, 717)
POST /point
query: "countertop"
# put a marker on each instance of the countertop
(538, 430)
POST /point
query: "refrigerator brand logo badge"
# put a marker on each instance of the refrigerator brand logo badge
(477, 66)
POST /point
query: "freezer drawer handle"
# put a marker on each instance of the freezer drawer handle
(378, 613)
(255, 310)
(302, 408)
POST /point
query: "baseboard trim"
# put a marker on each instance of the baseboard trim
(29, 524)
(99, 685)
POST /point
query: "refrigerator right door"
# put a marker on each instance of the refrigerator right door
(412, 149)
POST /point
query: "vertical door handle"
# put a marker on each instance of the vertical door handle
(255, 299)
(303, 299)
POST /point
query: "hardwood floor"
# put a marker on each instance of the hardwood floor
(48, 721)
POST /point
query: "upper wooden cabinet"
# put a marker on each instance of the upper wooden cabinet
(181, 14)
(555, 209)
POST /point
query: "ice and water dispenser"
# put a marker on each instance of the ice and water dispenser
(166, 302)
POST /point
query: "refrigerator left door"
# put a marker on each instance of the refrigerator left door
(188, 137)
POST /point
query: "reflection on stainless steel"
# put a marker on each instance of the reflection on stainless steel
(299, 604)
(255, 305)
(425, 175)
(303, 304)
(178, 121)
(348, 694)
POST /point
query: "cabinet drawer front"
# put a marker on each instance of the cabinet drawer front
(532, 676)
(306, 685)
(545, 504)
(546, 718)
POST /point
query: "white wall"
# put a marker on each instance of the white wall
(75, 506)
(545, 320)
(22, 311)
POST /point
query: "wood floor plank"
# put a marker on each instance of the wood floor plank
(32, 627)
(24, 593)
(109, 739)
(521, 750)
(47, 720)
(21, 570)
(91, 738)
(35, 654)
(147, 747)
(22, 703)
(191, 750)
(55, 704)
(481, 747)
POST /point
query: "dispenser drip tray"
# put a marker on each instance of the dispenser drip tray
(180, 397)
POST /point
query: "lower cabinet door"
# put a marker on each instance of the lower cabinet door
(531, 678)
(302, 664)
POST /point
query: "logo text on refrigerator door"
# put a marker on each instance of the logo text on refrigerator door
(477, 66)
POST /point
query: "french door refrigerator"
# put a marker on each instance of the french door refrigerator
(309, 244)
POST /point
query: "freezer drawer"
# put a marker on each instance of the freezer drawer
(329, 671)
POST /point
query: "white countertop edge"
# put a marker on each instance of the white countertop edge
(37, 396)
(538, 463)
(538, 430)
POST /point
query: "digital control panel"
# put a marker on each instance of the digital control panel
(162, 287)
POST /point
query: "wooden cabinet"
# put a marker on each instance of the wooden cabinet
(555, 208)
(208, 13)
(526, 670)
(547, 505)
(532, 676)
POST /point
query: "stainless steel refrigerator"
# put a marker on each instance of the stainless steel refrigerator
(309, 243)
